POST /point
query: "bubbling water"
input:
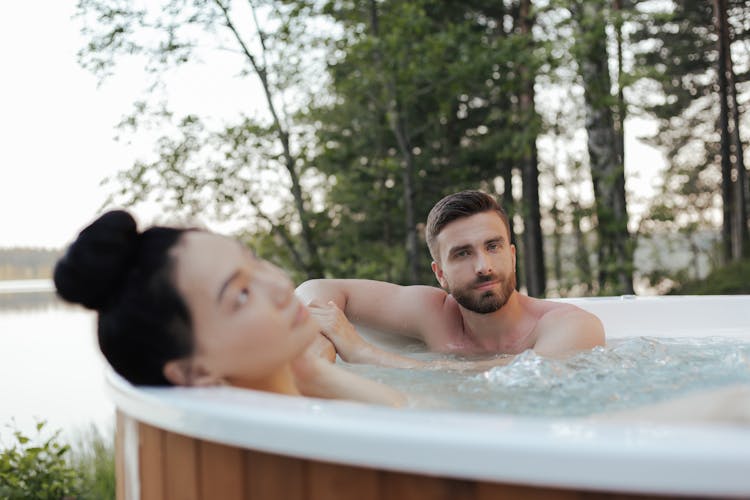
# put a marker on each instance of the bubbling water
(627, 373)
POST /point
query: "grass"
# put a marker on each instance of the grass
(93, 456)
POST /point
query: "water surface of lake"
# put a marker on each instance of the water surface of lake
(50, 365)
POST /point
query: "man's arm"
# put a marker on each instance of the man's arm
(354, 349)
(404, 310)
(565, 331)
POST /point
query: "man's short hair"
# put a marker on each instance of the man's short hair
(456, 206)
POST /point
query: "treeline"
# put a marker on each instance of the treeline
(27, 263)
(377, 108)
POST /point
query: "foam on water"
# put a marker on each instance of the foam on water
(627, 373)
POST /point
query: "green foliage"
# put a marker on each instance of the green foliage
(423, 85)
(45, 467)
(382, 106)
(731, 279)
(675, 68)
(37, 468)
(93, 457)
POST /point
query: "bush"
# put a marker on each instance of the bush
(38, 469)
(732, 279)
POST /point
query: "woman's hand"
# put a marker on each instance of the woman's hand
(339, 330)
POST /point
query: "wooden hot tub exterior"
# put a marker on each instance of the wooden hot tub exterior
(173, 466)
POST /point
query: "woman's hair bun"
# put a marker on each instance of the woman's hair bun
(93, 269)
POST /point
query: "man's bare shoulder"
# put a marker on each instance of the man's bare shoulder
(437, 315)
(564, 328)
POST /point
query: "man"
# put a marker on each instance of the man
(478, 311)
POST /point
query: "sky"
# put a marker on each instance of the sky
(57, 126)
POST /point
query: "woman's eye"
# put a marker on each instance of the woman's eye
(243, 296)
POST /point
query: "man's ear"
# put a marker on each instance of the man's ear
(513, 255)
(439, 274)
(188, 373)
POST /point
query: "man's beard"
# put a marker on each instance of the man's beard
(490, 300)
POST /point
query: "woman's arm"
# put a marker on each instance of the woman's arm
(317, 377)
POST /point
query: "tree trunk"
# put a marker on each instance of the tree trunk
(620, 122)
(738, 177)
(509, 205)
(607, 170)
(532, 229)
(582, 251)
(557, 237)
(398, 127)
(727, 193)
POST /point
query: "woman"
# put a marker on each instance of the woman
(189, 307)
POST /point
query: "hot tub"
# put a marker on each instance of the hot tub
(226, 443)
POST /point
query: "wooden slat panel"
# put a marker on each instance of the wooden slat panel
(397, 486)
(180, 467)
(340, 482)
(601, 495)
(151, 462)
(221, 471)
(172, 466)
(119, 456)
(274, 476)
(490, 491)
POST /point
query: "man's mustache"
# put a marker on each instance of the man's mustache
(485, 278)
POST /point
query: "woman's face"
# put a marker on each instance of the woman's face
(247, 322)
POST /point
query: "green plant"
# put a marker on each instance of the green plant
(93, 457)
(37, 469)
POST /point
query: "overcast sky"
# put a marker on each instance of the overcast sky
(57, 126)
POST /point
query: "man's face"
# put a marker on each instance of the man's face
(476, 262)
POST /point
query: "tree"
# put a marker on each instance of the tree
(607, 166)
(734, 175)
(463, 79)
(532, 232)
(233, 169)
(683, 82)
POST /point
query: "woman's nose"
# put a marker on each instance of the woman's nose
(276, 284)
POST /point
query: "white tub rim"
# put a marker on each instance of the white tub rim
(708, 459)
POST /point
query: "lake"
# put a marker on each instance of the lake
(50, 365)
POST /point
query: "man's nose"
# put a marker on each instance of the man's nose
(483, 264)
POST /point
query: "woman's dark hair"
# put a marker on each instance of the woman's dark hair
(127, 277)
(457, 206)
